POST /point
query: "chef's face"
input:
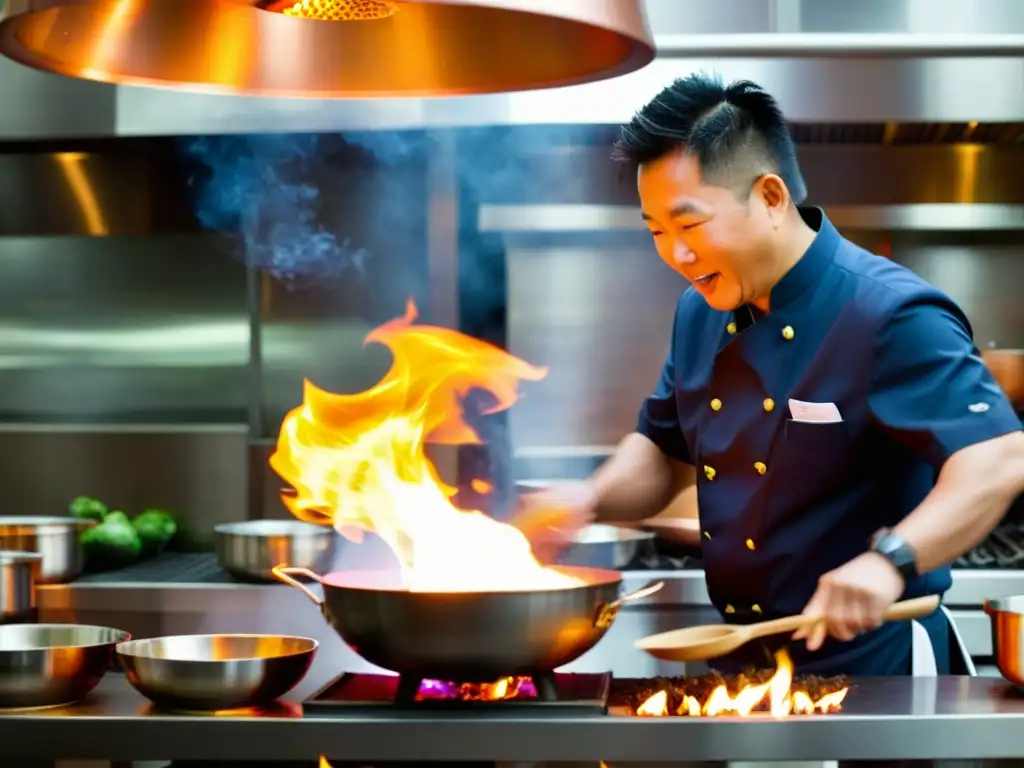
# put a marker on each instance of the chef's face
(721, 240)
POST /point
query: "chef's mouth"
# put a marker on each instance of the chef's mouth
(706, 282)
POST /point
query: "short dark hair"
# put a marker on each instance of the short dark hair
(735, 131)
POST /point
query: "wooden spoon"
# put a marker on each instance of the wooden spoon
(712, 641)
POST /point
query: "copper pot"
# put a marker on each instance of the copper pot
(1007, 365)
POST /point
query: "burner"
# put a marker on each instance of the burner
(568, 694)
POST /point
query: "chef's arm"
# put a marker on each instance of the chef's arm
(976, 486)
(638, 481)
(930, 391)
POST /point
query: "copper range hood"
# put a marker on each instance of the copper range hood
(331, 48)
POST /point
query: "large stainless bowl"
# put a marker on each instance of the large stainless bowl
(216, 672)
(47, 665)
(248, 550)
(605, 546)
(55, 538)
(1007, 618)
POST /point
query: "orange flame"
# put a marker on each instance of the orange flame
(777, 692)
(358, 461)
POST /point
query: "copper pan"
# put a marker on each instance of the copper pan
(1007, 365)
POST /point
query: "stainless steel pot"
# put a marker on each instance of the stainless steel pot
(467, 636)
(19, 574)
(248, 550)
(55, 538)
(213, 672)
(49, 665)
(1007, 618)
(605, 546)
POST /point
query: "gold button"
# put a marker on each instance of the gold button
(761, 467)
(755, 608)
(788, 333)
(730, 609)
(750, 545)
(709, 472)
(769, 404)
(731, 327)
(716, 404)
(707, 535)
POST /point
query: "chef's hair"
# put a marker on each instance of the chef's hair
(737, 132)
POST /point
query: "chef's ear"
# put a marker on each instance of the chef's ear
(774, 196)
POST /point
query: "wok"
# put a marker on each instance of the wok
(467, 636)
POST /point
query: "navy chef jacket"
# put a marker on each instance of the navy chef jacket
(783, 502)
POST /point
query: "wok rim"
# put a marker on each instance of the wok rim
(127, 647)
(590, 578)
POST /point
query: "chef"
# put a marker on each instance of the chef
(846, 440)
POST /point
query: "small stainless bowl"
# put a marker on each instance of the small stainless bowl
(49, 665)
(206, 673)
(248, 550)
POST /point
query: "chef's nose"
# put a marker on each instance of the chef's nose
(682, 255)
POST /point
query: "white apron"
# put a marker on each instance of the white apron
(922, 664)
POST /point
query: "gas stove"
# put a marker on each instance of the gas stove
(558, 693)
(1003, 548)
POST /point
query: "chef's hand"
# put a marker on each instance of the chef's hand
(550, 518)
(851, 599)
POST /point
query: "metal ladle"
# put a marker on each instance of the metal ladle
(711, 641)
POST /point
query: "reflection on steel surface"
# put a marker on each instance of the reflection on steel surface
(348, 48)
(884, 719)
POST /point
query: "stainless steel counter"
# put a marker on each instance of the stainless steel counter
(214, 603)
(884, 719)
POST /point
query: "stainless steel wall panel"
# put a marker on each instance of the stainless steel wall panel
(601, 317)
(199, 473)
(122, 330)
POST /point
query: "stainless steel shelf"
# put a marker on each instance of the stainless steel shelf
(884, 719)
(684, 587)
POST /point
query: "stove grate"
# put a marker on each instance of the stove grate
(575, 695)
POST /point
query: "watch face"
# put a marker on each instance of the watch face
(879, 538)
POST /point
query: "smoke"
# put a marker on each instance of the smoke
(313, 208)
(270, 191)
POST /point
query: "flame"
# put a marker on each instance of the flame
(358, 462)
(503, 689)
(778, 693)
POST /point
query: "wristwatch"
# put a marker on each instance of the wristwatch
(897, 551)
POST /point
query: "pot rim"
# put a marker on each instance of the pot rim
(1012, 605)
(16, 556)
(27, 525)
(266, 527)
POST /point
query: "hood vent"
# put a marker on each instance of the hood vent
(910, 134)
(331, 48)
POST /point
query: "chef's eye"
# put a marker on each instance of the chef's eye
(656, 232)
(691, 225)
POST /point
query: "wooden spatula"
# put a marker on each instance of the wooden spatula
(714, 640)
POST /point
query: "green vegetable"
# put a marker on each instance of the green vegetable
(117, 516)
(113, 543)
(156, 528)
(87, 508)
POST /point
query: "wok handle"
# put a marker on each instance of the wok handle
(283, 573)
(606, 613)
